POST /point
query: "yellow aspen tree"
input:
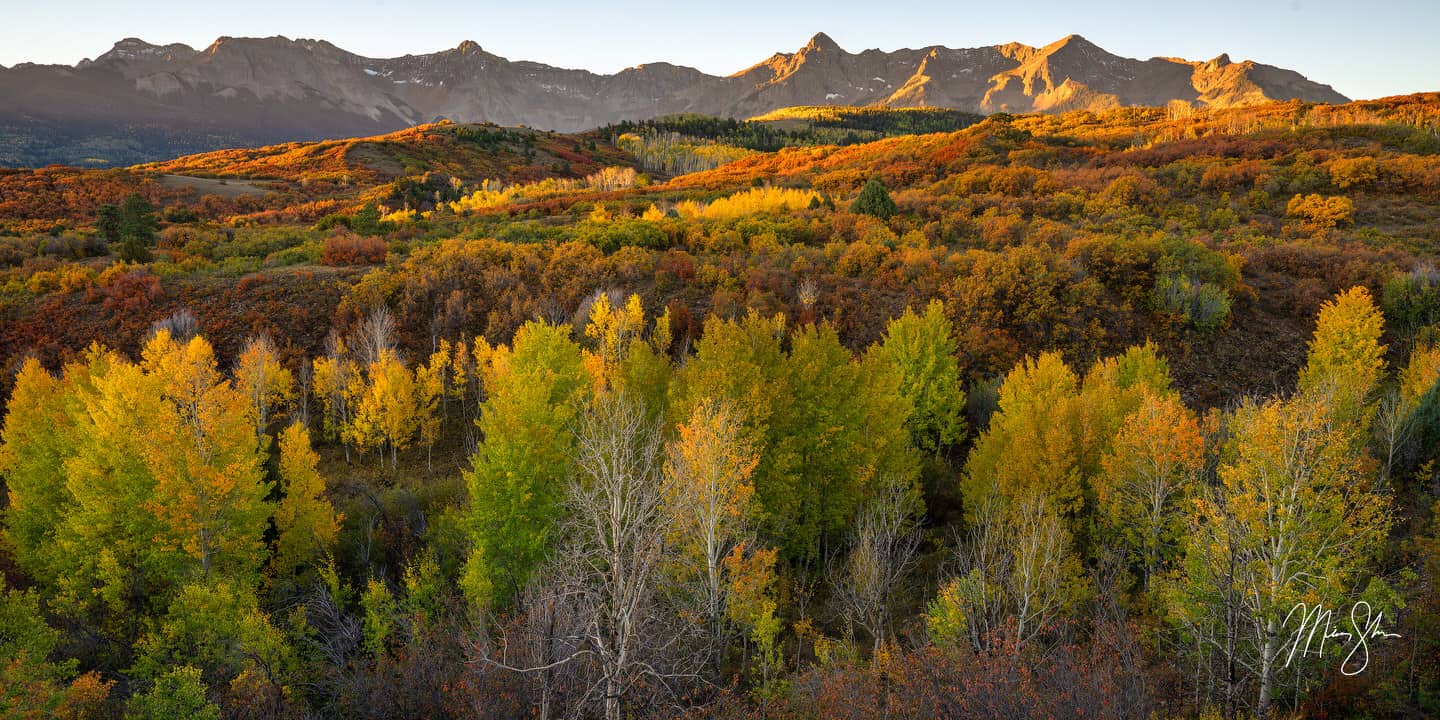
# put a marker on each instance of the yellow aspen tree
(445, 351)
(480, 353)
(613, 330)
(1420, 373)
(1295, 518)
(106, 541)
(466, 386)
(533, 393)
(1024, 489)
(1149, 471)
(1030, 448)
(922, 350)
(264, 380)
(306, 523)
(326, 373)
(708, 494)
(475, 359)
(336, 382)
(35, 442)
(210, 487)
(1346, 359)
(387, 414)
(1112, 389)
(462, 368)
(167, 482)
(645, 371)
(430, 384)
(751, 604)
(1398, 423)
(628, 357)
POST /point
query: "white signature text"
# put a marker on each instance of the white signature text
(1318, 625)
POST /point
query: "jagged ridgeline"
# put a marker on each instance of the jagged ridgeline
(141, 102)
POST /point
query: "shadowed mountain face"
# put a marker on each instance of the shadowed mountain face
(141, 102)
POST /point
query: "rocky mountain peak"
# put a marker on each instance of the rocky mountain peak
(134, 49)
(1219, 62)
(1074, 48)
(132, 44)
(821, 43)
(1073, 41)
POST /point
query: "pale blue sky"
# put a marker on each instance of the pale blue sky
(1364, 48)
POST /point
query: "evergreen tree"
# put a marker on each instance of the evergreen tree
(137, 228)
(367, 221)
(874, 200)
(108, 223)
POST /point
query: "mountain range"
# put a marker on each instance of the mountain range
(141, 102)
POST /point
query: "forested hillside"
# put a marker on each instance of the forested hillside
(818, 415)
